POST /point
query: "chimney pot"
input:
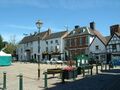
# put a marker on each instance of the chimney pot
(92, 25)
(77, 26)
(114, 28)
(49, 31)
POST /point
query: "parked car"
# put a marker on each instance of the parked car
(59, 62)
(55, 61)
(45, 61)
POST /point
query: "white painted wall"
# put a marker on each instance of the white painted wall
(33, 46)
(114, 40)
(20, 52)
(54, 44)
(91, 39)
(95, 43)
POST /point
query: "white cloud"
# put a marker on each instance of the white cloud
(9, 36)
(20, 27)
(33, 3)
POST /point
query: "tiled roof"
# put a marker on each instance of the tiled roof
(110, 37)
(107, 38)
(56, 35)
(118, 34)
(85, 31)
(99, 35)
(34, 37)
(80, 31)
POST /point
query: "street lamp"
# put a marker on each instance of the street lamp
(58, 47)
(39, 24)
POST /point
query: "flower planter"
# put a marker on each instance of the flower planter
(69, 74)
(79, 70)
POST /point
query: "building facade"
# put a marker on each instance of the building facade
(97, 48)
(64, 45)
(79, 39)
(113, 47)
(30, 47)
(41, 46)
(54, 46)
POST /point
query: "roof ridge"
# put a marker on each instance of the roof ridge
(100, 36)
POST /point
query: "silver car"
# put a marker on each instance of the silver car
(55, 61)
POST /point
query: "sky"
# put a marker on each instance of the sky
(18, 17)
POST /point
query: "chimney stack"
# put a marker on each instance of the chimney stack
(49, 31)
(114, 28)
(77, 26)
(92, 25)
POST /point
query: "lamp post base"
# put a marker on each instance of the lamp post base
(38, 74)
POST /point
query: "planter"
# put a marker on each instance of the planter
(69, 74)
(79, 70)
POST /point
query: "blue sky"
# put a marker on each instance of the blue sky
(19, 16)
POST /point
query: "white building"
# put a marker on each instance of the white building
(54, 45)
(30, 47)
(37, 45)
(97, 48)
(113, 46)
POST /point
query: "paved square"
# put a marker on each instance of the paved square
(29, 71)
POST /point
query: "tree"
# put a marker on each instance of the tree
(11, 46)
(1, 42)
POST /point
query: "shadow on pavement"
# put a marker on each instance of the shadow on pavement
(112, 71)
(105, 81)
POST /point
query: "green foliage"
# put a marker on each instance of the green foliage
(1, 42)
(11, 48)
(33, 60)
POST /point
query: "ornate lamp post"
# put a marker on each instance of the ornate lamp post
(58, 47)
(39, 24)
(58, 51)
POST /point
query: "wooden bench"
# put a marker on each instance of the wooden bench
(54, 71)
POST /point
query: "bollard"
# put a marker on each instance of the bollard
(91, 71)
(83, 71)
(45, 80)
(109, 66)
(20, 82)
(63, 78)
(101, 66)
(73, 75)
(96, 68)
(4, 81)
(106, 66)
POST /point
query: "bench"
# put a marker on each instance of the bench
(54, 71)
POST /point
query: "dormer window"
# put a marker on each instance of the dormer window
(83, 30)
(73, 32)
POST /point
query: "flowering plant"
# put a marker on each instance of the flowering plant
(70, 62)
(69, 68)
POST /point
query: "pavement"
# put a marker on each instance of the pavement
(102, 81)
(105, 80)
